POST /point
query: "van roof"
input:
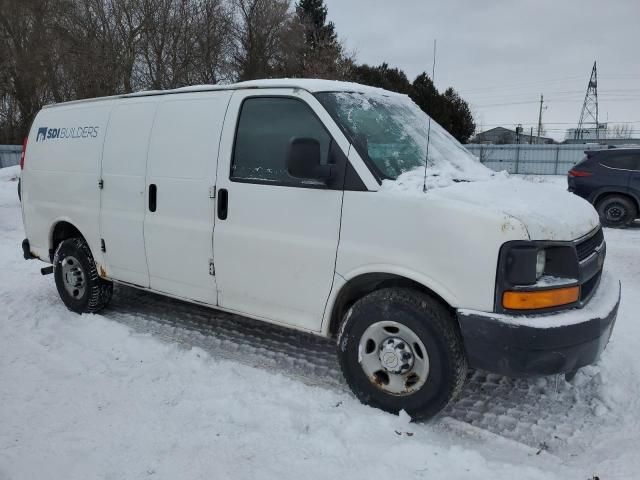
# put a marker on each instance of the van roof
(310, 84)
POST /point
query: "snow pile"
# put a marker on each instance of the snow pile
(439, 175)
(83, 397)
(10, 173)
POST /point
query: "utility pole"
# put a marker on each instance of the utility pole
(531, 136)
(589, 113)
(540, 118)
(518, 132)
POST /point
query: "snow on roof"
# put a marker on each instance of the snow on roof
(309, 84)
(314, 85)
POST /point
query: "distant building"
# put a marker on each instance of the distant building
(502, 136)
(586, 135)
(602, 136)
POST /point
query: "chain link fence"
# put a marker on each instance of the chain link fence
(10, 155)
(531, 159)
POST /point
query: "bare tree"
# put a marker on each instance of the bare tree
(166, 51)
(99, 42)
(258, 31)
(621, 130)
(58, 50)
(212, 42)
(27, 46)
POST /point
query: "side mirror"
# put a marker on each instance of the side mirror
(303, 160)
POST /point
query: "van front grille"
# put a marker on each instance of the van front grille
(588, 246)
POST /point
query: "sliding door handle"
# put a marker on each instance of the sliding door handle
(153, 197)
(223, 203)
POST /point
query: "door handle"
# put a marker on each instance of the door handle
(153, 194)
(223, 203)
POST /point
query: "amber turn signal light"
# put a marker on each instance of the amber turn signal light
(532, 300)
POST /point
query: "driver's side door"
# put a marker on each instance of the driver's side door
(276, 236)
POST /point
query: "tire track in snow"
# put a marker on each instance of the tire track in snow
(546, 414)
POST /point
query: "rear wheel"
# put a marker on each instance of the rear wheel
(399, 349)
(616, 211)
(77, 280)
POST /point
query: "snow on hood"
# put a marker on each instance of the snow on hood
(441, 174)
(547, 212)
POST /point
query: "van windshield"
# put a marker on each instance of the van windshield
(390, 132)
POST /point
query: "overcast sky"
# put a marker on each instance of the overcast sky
(501, 55)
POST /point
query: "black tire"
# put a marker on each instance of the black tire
(616, 211)
(96, 292)
(436, 328)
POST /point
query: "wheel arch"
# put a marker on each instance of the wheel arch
(359, 285)
(62, 229)
(601, 195)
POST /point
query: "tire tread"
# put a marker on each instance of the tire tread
(100, 290)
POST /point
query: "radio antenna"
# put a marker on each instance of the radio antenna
(426, 160)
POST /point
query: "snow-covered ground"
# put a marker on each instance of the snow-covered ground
(155, 388)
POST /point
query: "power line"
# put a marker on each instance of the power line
(522, 84)
(560, 100)
(533, 83)
(552, 123)
(632, 92)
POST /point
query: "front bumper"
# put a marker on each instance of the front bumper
(547, 344)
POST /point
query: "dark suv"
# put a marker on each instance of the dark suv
(610, 180)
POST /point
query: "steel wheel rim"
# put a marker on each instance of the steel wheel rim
(615, 212)
(393, 358)
(73, 277)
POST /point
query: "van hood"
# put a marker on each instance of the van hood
(546, 211)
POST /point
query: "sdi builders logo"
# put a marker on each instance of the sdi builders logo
(47, 133)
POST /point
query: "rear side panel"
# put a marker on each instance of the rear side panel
(123, 204)
(60, 178)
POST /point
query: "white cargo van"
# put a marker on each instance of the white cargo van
(309, 204)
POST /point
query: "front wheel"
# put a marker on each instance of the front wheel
(616, 211)
(77, 280)
(400, 349)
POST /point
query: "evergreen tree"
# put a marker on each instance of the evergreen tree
(426, 96)
(460, 121)
(313, 15)
(322, 55)
(448, 109)
(382, 76)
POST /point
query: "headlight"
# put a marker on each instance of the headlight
(541, 261)
(522, 263)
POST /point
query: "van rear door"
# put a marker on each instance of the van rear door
(181, 171)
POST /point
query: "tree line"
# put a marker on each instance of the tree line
(59, 50)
